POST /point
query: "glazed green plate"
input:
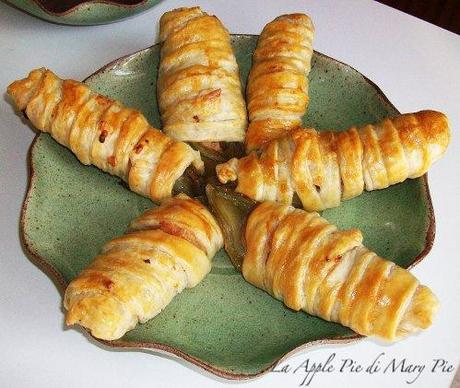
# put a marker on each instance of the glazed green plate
(83, 12)
(224, 325)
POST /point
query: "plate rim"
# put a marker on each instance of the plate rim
(61, 284)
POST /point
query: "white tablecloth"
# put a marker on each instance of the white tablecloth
(416, 64)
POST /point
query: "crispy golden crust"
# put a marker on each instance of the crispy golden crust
(323, 168)
(277, 89)
(165, 250)
(301, 259)
(102, 132)
(199, 89)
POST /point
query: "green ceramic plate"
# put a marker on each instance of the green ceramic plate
(224, 324)
(83, 12)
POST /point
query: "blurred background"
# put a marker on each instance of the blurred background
(443, 13)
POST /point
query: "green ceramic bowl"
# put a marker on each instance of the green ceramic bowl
(224, 325)
(83, 12)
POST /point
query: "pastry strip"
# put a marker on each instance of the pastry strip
(136, 275)
(307, 263)
(324, 168)
(102, 132)
(277, 89)
(199, 89)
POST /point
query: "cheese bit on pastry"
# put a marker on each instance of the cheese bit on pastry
(199, 88)
(277, 89)
(301, 259)
(102, 132)
(136, 276)
(323, 168)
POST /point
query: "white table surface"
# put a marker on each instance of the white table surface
(416, 64)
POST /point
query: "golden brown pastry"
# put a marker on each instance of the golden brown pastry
(277, 89)
(102, 132)
(199, 88)
(165, 250)
(303, 260)
(323, 168)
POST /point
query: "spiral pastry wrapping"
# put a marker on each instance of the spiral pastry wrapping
(199, 88)
(323, 168)
(304, 261)
(165, 250)
(102, 132)
(277, 89)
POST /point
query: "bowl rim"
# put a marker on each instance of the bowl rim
(85, 3)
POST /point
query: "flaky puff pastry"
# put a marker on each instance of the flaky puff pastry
(304, 261)
(199, 88)
(323, 168)
(165, 250)
(277, 88)
(102, 132)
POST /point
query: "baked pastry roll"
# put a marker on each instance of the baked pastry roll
(199, 88)
(323, 168)
(301, 259)
(102, 132)
(277, 88)
(165, 250)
